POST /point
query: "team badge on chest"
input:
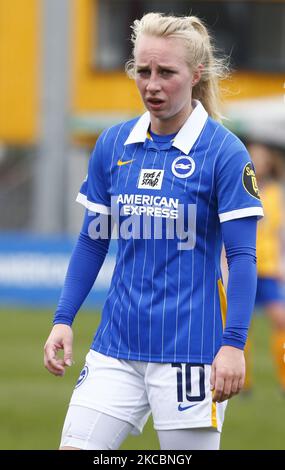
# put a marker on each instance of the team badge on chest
(183, 166)
(150, 179)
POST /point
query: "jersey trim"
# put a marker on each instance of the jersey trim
(189, 133)
(214, 414)
(184, 139)
(93, 206)
(140, 131)
(223, 301)
(239, 213)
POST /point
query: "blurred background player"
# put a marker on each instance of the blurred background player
(270, 288)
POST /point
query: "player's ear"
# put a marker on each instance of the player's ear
(197, 74)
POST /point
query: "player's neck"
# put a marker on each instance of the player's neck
(170, 125)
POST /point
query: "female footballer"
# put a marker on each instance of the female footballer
(176, 184)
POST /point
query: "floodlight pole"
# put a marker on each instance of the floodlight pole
(49, 214)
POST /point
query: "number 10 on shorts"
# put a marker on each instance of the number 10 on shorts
(190, 382)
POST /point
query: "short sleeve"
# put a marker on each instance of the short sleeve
(93, 193)
(236, 186)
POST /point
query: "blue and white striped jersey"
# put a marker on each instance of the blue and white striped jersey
(166, 301)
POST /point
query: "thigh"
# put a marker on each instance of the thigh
(189, 439)
(88, 429)
(113, 387)
(180, 397)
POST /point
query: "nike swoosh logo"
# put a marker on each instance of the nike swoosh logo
(120, 163)
(183, 408)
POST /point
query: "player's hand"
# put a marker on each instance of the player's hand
(61, 337)
(228, 373)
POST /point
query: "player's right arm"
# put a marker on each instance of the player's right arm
(85, 263)
(84, 266)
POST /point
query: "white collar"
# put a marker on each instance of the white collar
(184, 139)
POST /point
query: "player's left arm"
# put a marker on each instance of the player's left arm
(239, 207)
(228, 368)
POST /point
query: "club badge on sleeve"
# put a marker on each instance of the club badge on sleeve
(249, 180)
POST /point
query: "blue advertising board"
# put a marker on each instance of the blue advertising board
(33, 267)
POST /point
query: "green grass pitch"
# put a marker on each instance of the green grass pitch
(33, 403)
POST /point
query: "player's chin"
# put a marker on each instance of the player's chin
(157, 113)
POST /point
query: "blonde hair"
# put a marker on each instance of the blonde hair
(199, 48)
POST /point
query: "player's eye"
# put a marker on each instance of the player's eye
(166, 72)
(143, 72)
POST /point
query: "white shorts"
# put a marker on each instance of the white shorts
(177, 395)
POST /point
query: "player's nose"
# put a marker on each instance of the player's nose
(153, 84)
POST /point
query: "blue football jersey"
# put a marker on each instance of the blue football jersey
(166, 301)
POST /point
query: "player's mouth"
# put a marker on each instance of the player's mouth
(154, 103)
